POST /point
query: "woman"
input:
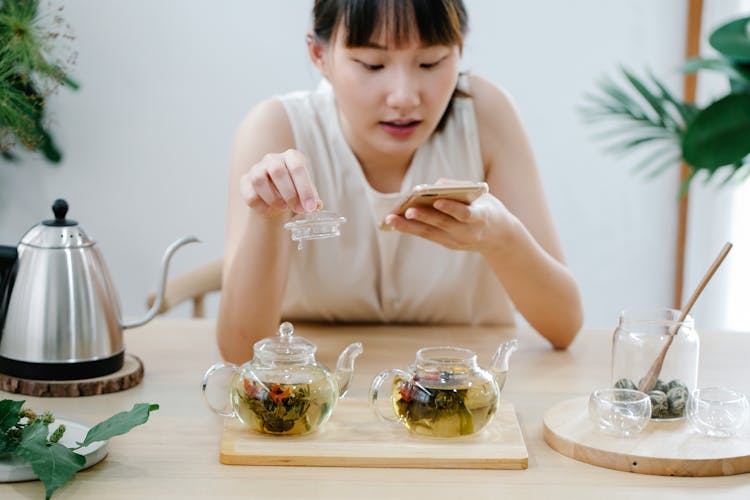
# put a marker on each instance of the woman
(392, 112)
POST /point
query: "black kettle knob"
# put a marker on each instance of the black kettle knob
(60, 209)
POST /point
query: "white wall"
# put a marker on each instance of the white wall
(164, 83)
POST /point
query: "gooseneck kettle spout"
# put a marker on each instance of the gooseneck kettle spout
(151, 313)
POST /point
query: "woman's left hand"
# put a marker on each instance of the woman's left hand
(485, 225)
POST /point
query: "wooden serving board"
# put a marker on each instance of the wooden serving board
(355, 437)
(662, 448)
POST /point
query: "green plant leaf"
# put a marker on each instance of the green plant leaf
(720, 134)
(53, 463)
(721, 65)
(667, 163)
(655, 103)
(119, 423)
(9, 413)
(732, 40)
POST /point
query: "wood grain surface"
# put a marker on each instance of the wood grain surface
(126, 377)
(662, 448)
(176, 453)
(355, 437)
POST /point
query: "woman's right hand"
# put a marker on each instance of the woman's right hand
(280, 182)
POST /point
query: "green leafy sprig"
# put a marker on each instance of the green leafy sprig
(25, 434)
(28, 74)
(648, 117)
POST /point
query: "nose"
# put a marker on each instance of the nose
(404, 91)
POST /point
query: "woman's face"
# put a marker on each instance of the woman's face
(390, 100)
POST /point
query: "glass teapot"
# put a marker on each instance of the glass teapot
(283, 389)
(444, 393)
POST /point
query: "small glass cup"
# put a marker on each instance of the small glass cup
(315, 226)
(717, 411)
(620, 412)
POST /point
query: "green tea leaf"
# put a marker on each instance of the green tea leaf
(53, 463)
(720, 134)
(9, 413)
(119, 423)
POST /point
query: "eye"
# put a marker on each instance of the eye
(431, 65)
(371, 67)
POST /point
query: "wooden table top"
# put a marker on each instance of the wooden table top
(176, 453)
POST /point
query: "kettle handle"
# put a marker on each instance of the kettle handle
(8, 259)
(151, 313)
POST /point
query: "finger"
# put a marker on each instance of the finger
(278, 173)
(431, 217)
(420, 229)
(459, 211)
(297, 166)
(257, 188)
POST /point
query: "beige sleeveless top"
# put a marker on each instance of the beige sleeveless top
(369, 275)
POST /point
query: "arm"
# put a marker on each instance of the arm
(528, 259)
(511, 226)
(262, 195)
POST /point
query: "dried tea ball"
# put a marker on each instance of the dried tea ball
(659, 404)
(676, 383)
(677, 397)
(662, 386)
(625, 383)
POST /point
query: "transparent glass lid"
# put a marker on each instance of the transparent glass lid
(315, 226)
(285, 346)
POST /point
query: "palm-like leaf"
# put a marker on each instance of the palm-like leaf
(648, 119)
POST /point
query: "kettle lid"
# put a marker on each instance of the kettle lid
(59, 232)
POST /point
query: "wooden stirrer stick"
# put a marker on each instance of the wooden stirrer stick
(653, 373)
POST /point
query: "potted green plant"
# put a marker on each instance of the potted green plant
(28, 74)
(650, 119)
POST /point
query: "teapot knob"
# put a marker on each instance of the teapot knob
(286, 330)
(60, 209)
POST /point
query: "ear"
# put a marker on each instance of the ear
(317, 52)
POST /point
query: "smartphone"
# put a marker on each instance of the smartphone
(424, 195)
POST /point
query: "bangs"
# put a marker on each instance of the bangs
(438, 22)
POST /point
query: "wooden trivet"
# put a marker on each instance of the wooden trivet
(126, 377)
(662, 448)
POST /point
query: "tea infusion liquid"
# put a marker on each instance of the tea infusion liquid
(444, 412)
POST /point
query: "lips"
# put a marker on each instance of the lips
(400, 128)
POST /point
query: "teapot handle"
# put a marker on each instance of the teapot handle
(377, 382)
(209, 373)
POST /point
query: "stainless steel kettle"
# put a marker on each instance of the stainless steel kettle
(59, 313)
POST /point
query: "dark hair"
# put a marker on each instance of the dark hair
(439, 22)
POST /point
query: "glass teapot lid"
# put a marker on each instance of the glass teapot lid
(315, 226)
(284, 347)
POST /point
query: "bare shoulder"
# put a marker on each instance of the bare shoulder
(487, 94)
(264, 129)
(498, 123)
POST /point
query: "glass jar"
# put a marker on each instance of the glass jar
(639, 338)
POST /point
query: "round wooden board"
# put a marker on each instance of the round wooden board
(126, 377)
(662, 448)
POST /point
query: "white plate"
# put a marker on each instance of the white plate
(13, 468)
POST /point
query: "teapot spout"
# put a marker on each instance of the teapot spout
(345, 367)
(151, 313)
(499, 363)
